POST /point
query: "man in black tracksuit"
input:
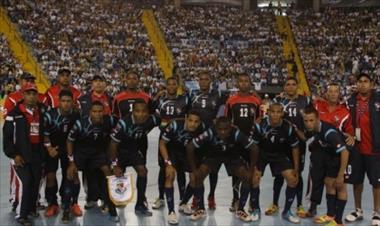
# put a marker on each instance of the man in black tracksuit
(23, 143)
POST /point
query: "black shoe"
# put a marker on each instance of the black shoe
(66, 217)
(33, 214)
(14, 206)
(40, 206)
(24, 221)
(143, 209)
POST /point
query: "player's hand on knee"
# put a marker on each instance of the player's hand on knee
(296, 176)
(72, 171)
(170, 172)
(117, 171)
(19, 161)
(339, 181)
(53, 151)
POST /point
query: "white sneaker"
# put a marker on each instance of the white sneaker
(185, 209)
(158, 204)
(172, 218)
(376, 219)
(198, 214)
(289, 216)
(256, 215)
(355, 215)
(243, 216)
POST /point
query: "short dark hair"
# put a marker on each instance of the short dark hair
(364, 75)
(276, 104)
(171, 78)
(204, 73)
(222, 120)
(291, 79)
(243, 74)
(64, 70)
(97, 103)
(193, 112)
(65, 93)
(311, 110)
(131, 72)
(137, 102)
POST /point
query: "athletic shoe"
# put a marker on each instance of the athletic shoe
(14, 206)
(75, 209)
(40, 206)
(66, 217)
(194, 204)
(256, 215)
(243, 216)
(185, 209)
(51, 210)
(289, 216)
(356, 215)
(234, 205)
(211, 203)
(172, 218)
(333, 223)
(198, 214)
(114, 219)
(324, 219)
(33, 214)
(158, 204)
(24, 221)
(376, 219)
(144, 210)
(301, 212)
(90, 205)
(104, 208)
(271, 210)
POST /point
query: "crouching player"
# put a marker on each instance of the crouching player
(87, 143)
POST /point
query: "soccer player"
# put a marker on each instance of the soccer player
(125, 149)
(293, 104)
(170, 106)
(87, 144)
(334, 163)
(173, 151)
(243, 109)
(336, 114)
(208, 103)
(63, 83)
(276, 137)
(365, 111)
(225, 143)
(57, 124)
(23, 143)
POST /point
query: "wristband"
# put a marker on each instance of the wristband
(168, 162)
(71, 158)
(114, 163)
(47, 145)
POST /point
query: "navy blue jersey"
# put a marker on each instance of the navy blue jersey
(329, 138)
(229, 146)
(294, 108)
(207, 104)
(169, 108)
(274, 141)
(127, 130)
(176, 132)
(57, 126)
(89, 137)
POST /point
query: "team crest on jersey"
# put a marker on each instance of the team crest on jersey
(377, 106)
(120, 187)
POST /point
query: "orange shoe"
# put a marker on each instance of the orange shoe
(75, 209)
(51, 210)
(324, 219)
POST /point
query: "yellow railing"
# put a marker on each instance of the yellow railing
(22, 52)
(164, 55)
(291, 52)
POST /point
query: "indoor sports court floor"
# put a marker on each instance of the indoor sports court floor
(220, 217)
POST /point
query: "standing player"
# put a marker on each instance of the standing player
(63, 83)
(23, 143)
(243, 109)
(90, 179)
(336, 114)
(57, 124)
(276, 138)
(226, 143)
(334, 163)
(172, 149)
(365, 111)
(293, 104)
(125, 149)
(87, 143)
(208, 103)
(170, 106)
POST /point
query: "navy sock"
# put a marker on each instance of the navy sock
(51, 194)
(277, 185)
(213, 178)
(244, 192)
(255, 198)
(290, 193)
(235, 187)
(75, 193)
(161, 183)
(331, 204)
(340, 205)
(199, 195)
(188, 194)
(181, 181)
(67, 194)
(299, 191)
(170, 198)
(141, 187)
